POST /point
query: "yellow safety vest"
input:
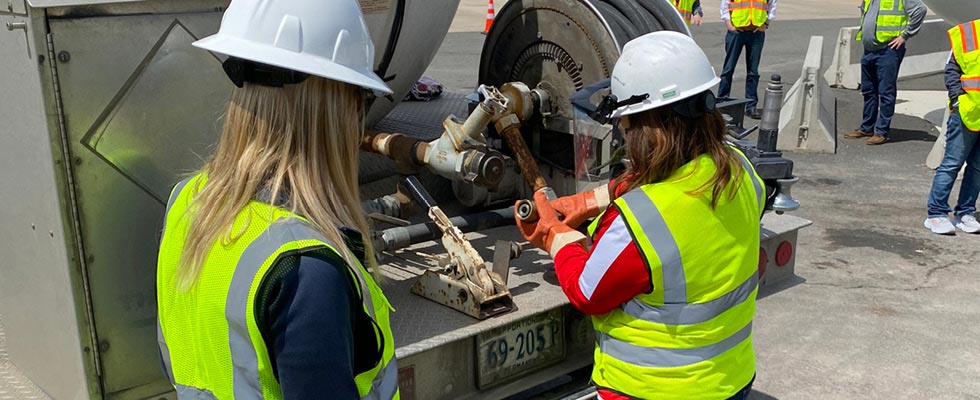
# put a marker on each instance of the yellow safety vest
(691, 337)
(746, 13)
(208, 336)
(892, 20)
(685, 8)
(966, 51)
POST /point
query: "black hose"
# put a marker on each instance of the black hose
(637, 15)
(630, 19)
(404, 236)
(621, 27)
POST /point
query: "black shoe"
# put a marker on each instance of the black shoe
(753, 113)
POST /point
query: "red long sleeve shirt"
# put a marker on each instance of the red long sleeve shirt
(612, 272)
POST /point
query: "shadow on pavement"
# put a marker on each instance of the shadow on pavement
(904, 135)
(757, 395)
(768, 290)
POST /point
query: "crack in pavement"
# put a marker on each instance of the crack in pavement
(923, 285)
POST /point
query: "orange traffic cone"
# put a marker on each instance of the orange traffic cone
(486, 26)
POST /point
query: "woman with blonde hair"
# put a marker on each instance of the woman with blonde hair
(671, 277)
(263, 282)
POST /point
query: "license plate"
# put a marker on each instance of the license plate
(520, 348)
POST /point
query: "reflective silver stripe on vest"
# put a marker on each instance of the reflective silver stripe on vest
(970, 84)
(969, 37)
(193, 393)
(162, 344)
(690, 314)
(164, 353)
(885, 28)
(653, 225)
(749, 169)
(736, 6)
(661, 357)
(176, 193)
(245, 370)
(385, 385)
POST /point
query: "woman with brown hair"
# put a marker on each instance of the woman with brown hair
(670, 279)
(264, 283)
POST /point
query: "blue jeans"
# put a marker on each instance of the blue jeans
(961, 146)
(879, 85)
(734, 41)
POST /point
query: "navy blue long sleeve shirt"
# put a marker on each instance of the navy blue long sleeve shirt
(314, 326)
(952, 75)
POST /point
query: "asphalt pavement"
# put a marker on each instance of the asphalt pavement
(883, 308)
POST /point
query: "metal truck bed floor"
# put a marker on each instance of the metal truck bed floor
(420, 324)
(13, 384)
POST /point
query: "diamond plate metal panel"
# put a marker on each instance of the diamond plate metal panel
(13, 384)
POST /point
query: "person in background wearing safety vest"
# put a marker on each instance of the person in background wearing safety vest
(263, 283)
(672, 275)
(963, 84)
(885, 27)
(747, 22)
(690, 10)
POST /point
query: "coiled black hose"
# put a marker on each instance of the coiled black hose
(629, 19)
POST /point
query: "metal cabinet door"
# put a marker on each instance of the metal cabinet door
(142, 107)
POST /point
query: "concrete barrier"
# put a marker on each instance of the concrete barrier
(926, 54)
(939, 148)
(808, 120)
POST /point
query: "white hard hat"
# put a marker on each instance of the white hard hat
(664, 66)
(326, 38)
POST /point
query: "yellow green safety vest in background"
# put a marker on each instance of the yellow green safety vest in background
(208, 336)
(746, 13)
(892, 20)
(685, 8)
(691, 337)
(966, 51)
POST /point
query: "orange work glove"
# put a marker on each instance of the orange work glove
(577, 208)
(548, 233)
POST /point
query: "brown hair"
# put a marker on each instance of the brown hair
(300, 142)
(660, 141)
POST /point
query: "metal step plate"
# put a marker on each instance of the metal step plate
(13, 384)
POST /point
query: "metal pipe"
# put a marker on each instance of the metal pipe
(403, 236)
(769, 125)
(403, 150)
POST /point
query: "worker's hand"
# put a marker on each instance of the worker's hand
(548, 233)
(897, 43)
(729, 25)
(575, 209)
(762, 28)
(696, 20)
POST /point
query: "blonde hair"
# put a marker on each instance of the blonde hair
(299, 144)
(660, 141)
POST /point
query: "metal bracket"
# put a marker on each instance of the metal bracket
(465, 283)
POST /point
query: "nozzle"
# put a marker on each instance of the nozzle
(526, 211)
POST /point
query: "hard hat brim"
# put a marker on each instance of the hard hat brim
(302, 62)
(655, 103)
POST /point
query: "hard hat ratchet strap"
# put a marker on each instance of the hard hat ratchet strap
(241, 71)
